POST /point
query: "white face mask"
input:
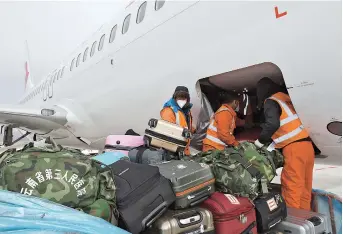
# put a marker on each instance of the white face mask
(181, 103)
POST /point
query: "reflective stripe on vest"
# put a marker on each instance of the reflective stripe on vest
(290, 115)
(178, 122)
(214, 139)
(246, 104)
(177, 116)
(280, 140)
(214, 128)
(289, 135)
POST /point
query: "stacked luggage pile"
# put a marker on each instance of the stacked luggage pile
(159, 190)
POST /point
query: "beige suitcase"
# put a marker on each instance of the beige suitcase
(166, 135)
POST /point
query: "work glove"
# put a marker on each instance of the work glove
(258, 144)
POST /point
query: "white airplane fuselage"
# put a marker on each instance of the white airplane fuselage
(127, 82)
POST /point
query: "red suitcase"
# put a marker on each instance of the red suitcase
(231, 214)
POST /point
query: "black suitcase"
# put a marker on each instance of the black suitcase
(143, 195)
(270, 210)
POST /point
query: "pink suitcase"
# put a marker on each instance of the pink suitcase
(123, 143)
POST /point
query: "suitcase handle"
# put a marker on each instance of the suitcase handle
(188, 215)
(315, 220)
(154, 215)
(152, 123)
(249, 228)
(204, 194)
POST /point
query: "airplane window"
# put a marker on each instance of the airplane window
(85, 54)
(62, 72)
(113, 34)
(141, 13)
(78, 60)
(159, 4)
(72, 65)
(101, 43)
(126, 24)
(93, 48)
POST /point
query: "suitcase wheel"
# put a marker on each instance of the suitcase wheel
(153, 123)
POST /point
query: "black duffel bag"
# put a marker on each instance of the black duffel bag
(270, 210)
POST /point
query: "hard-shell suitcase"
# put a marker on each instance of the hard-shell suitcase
(123, 143)
(143, 194)
(270, 210)
(145, 155)
(231, 214)
(166, 135)
(295, 225)
(194, 220)
(109, 158)
(321, 222)
(192, 182)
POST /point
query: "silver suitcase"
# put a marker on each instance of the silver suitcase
(192, 182)
(321, 222)
(190, 221)
(293, 225)
(303, 222)
(166, 135)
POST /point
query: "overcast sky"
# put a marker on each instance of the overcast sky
(52, 29)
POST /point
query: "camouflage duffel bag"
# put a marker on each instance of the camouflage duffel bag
(277, 157)
(65, 176)
(261, 159)
(233, 173)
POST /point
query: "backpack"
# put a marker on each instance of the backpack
(261, 159)
(65, 176)
(233, 173)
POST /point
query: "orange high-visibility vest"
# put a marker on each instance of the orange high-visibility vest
(291, 128)
(212, 138)
(180, 118)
